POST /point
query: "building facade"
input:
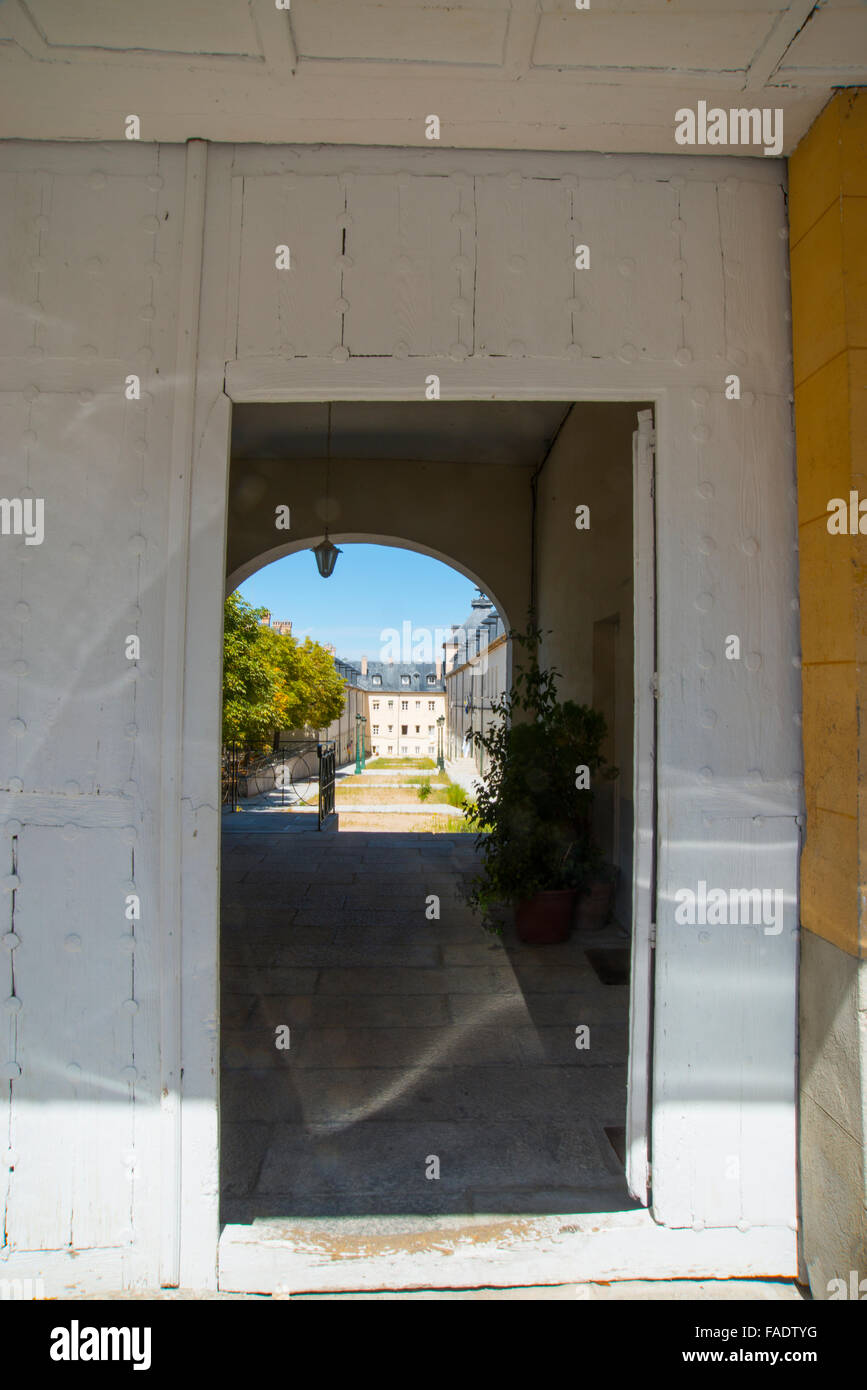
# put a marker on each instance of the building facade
(476, 661)
(404, 700)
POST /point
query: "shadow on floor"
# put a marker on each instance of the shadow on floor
(416, 1046)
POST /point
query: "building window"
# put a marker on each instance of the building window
(375, 704)
(431, 704)
(391, 704)
(417, 749)
(391, 728)
(391, 748)
(430, 728)
(376, 728)
(404, 680)
(404, 704)
(404, 728)
(418, 704)
(377, 680)
(430, 748)
(431, 680)
(417, 729)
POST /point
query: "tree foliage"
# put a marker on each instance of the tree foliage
(272, 681)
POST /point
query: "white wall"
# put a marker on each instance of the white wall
(89, 264)
(687, 283)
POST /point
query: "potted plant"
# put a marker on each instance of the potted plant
(597, 899)
(534, 803)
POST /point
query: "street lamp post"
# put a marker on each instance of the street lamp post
(440, 723)
(360, 721)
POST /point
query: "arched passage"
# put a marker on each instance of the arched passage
(475, 517)
(278, 552)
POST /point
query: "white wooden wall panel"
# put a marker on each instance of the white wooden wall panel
(703, 285)
(292, 313)
(525, 266)
(72, 1129)
(754, 253)
(411, 264)
(85, 229)
(94, 288)
(627, 224)
(21, 202)
(729, 799)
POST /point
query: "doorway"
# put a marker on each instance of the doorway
(567, 448)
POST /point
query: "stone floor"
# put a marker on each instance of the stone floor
(409, 1039)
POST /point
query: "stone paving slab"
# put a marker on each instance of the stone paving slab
(406, 1033)
(333, 1096)
(376, 1157)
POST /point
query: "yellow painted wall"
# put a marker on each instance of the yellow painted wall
(828, 230)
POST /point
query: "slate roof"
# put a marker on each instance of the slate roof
(391, 674)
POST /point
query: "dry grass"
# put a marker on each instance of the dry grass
(371, 795)
(400, 824)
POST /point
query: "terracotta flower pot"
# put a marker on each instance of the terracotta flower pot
(596, 904)
(546, 918)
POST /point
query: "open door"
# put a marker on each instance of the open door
(638, 1170)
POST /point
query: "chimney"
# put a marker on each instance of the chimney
(364, 665)
(439, 668)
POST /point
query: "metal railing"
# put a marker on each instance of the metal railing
(299, 773)
(327, 779)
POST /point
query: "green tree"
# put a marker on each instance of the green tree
(271, 681)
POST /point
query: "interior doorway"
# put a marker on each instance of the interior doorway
(297, 936)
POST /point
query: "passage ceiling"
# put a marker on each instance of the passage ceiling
(500, 74)
(435, 432)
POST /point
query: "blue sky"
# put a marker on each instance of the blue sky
(373, 587)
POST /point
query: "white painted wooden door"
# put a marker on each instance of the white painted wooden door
(644, 801)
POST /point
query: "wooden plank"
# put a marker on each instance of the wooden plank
(702, 40)
(409, 281)
(644, 804)
(697, 261)
(724, 1001)
(94, 288)
(197, 701)
(172, 703)
(292, 313)
(629, 296)
(271, 379)
(754, 236)
(525, 270)
(22, 198)
(296, 1257)
(71, 1053)
(402, 32)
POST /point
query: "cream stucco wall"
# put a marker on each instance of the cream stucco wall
(585, 577)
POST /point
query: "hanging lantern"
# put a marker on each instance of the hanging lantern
(326, 556)
(326, 553)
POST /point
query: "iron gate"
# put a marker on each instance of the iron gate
(299, 773)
